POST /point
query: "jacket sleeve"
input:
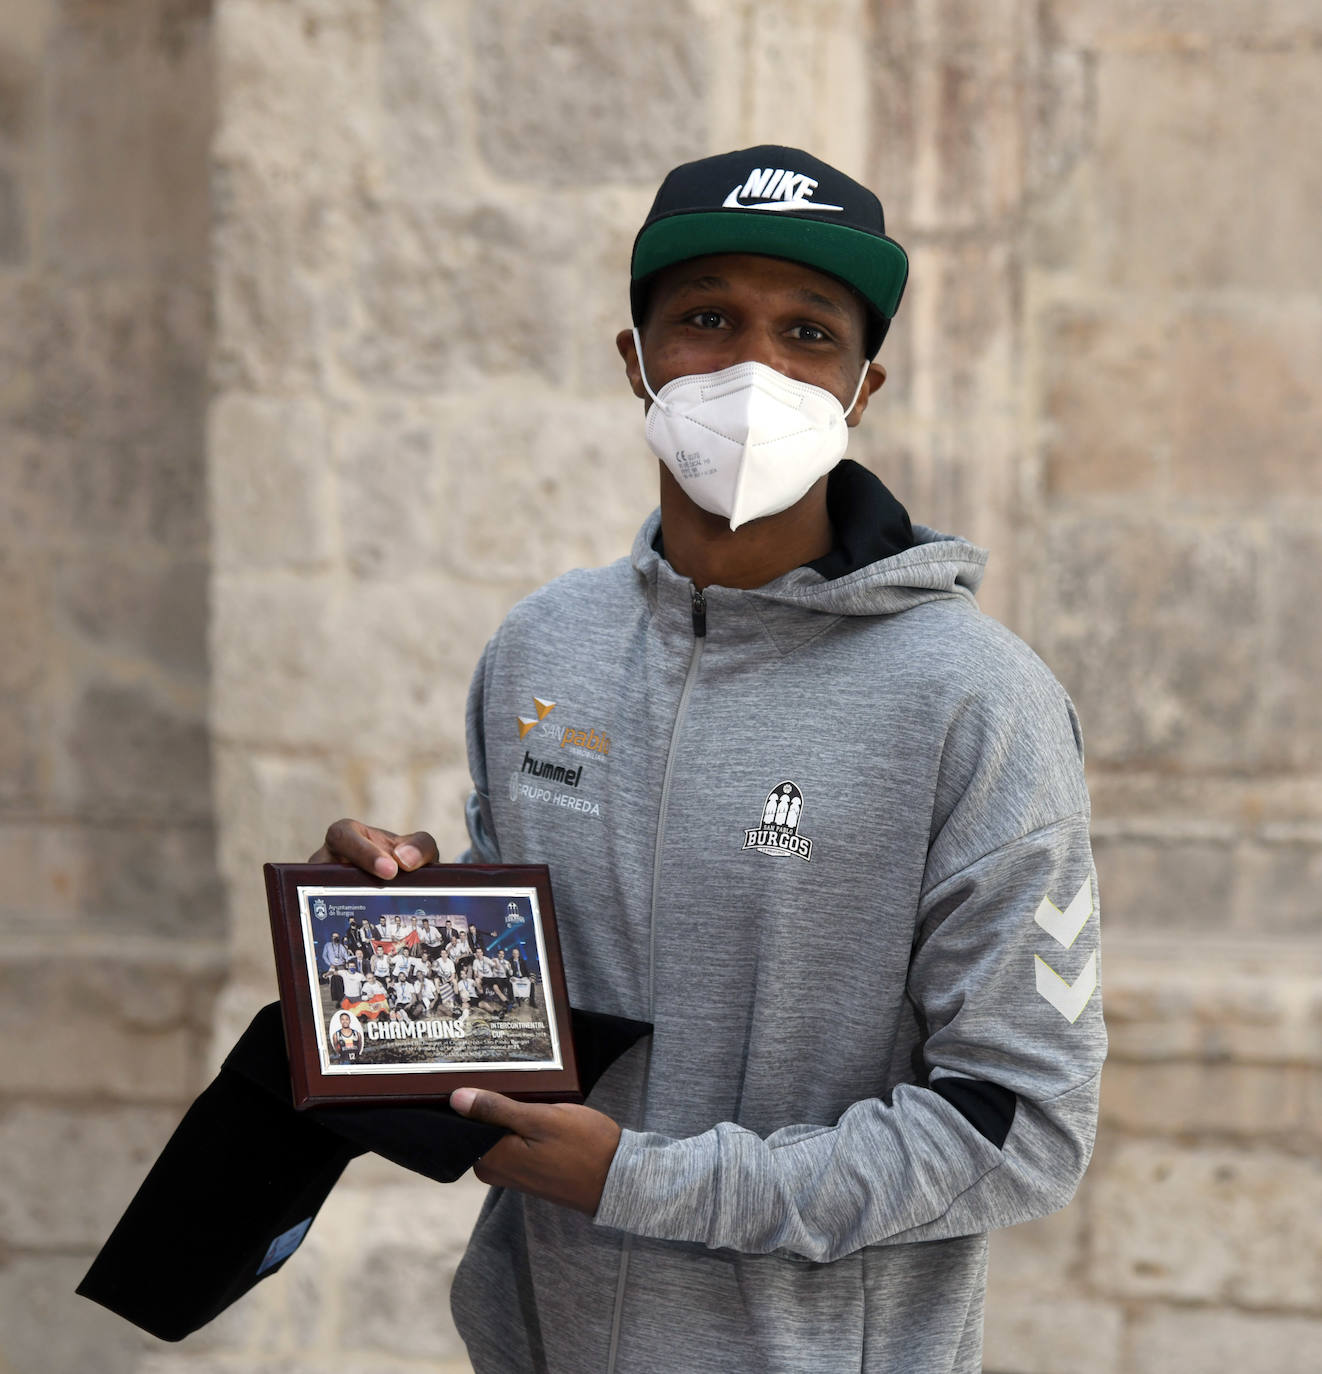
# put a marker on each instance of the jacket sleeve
(482, 845)
(1004, 976)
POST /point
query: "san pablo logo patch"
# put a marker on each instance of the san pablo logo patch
(778, 835)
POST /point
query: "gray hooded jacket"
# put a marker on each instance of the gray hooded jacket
(836, 849)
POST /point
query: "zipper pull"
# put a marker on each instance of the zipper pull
(699, 614)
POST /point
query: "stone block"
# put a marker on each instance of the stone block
(272, 257)
(576, 479)
(13, 218)
(429, 279)
(1179, 24)
(1245, 405)
(1293, 724)
(45, 1326)
(270, 482)
(1246, 1101)
(129, 123)
(430, 1229)
(1104, 399)
(298, 87)
(374, 676)
(1207, 1225)
(1124, 606)
(128, 606)
(21, 752)
(131, 749)
(1164, 1339)
(1279, 889)
(636, 77)
(71, 1171)
(1164, 885)
(115, 1026)
(1040, 1257)
(425, 109)
(1254, 1002)
(1179, 134)
(1053, 1337)
(278, 809)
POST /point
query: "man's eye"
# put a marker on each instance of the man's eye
(810, 333)
(707, 319)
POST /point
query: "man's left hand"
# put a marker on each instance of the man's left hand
(558, 1151)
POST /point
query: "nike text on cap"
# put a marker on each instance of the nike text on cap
(780, 202)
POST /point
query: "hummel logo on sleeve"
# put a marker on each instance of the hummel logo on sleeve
(773, 188)
(1069, 999)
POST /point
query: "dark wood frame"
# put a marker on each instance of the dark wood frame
(312, 1087)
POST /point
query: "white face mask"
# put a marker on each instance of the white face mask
(747, 441)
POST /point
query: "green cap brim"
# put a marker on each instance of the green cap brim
(876, 267)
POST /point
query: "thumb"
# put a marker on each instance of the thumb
(492, 1108)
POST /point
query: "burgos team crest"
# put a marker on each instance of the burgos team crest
(778, 834)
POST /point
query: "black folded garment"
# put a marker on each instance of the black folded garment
(238, 1184)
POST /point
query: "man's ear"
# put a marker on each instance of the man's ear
(876, 377)
(632, 369)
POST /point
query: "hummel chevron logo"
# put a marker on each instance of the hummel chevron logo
(526, 723)
(1069, 999)
(773, 188)
(1064, 926)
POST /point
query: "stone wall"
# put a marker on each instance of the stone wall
(113, 935)
(1105, 368)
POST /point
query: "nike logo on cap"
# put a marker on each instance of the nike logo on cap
(775, 189)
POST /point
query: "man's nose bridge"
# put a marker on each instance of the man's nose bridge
(764, 346)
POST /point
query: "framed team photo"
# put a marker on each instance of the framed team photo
(405, 990)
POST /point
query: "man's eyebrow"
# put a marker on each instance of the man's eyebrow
(811, 297)
(703, 283)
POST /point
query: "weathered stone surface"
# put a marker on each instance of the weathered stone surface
(279, 809)
(1251, 1001)
(1279, 888)
(1245, 1101)
(1160, 25)
(1245, 405)
(1209, 1225)
(1179, 135)
(297, 85)
(1166, 1339)
(21, 752)
(131, 750)
(1124, 609)
(426, 121)
(269, 482)
(1040, 1257)
(70, 1172)
(127, 606)
(1062, 1337)
(430, 1236)
(13, 219)
(114, 361)
(1105, 399)
(635, 77)
(118, 1026)
(129, 121)
(45, 1326)
(1293, 725)
(1164, 885)
(270, 256)
(429, 279)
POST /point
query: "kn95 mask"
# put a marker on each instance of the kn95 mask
(746, 441)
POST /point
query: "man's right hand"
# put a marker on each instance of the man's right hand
(376, 851)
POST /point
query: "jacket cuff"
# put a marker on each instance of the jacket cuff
(661, 1188)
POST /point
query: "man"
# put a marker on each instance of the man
(811, 728)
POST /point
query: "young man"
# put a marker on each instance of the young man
(812, 732)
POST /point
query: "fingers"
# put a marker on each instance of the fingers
(417, 849)
(494, 1109)
(376, 851)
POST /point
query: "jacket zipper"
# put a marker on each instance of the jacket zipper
(698, 609)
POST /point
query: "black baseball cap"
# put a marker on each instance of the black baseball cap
(780, 202)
